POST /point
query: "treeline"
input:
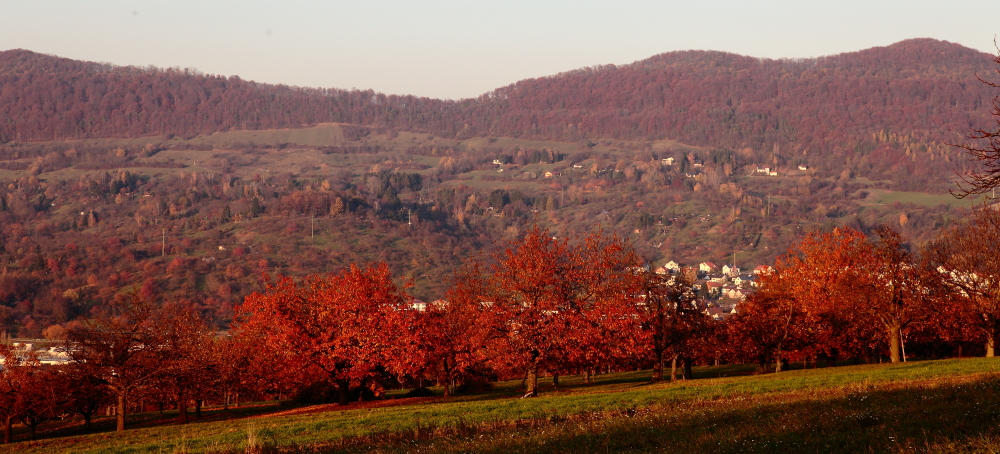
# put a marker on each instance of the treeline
(542, 306)
(923, 89)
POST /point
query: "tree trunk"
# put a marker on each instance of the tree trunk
(342, 389)
(86, 421)
(586, 375)
(197, 408)
(182, 407)
(658, 366)
(555, 380)
(673, 368)
(120, 412)
(447, 374)
(531, 382)
(894, 344)
(688, 373)
(990, 343)
(8, 433)
(777, 360)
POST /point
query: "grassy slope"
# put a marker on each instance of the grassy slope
(836, 409)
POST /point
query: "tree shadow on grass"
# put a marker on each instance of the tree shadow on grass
(863, 419)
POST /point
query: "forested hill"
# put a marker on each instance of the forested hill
(44, 97)
(922, 90)
(923, 87)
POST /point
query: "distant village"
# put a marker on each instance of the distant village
(723, 288)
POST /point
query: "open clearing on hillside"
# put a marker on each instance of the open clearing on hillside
(921, 198)
(883, 408)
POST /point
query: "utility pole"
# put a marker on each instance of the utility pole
(312, 227)
(409, 217)
(163, 244)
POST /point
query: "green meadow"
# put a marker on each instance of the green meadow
(922, 406)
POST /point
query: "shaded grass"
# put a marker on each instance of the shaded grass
(917, 417)
(622, 412)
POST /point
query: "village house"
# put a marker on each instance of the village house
(730, 270)
(716, 313)
(707, 267)
(673, 267)
(744, 280)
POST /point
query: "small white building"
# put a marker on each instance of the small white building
(673, 267)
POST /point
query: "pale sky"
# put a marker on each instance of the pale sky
(460, 49)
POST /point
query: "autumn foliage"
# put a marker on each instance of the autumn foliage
(539, 306)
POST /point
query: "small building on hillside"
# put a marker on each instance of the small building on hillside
(673, 267)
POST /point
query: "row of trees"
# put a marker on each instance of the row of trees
(541, 306)
(138, 355)
(841, 294)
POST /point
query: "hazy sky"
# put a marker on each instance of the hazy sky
(458, 49)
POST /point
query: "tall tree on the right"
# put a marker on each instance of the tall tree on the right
(986, 154)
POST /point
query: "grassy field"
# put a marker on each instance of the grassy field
(920, 198)
(922, 406)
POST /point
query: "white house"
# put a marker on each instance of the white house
(743, 279)
(707, 267)
(673, 266)
(730, 270)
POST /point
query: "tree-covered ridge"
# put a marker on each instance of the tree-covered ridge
(924, 90)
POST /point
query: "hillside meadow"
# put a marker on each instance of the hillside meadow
(921, 406)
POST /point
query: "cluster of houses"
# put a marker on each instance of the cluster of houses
(724, 288)
(46, 355)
